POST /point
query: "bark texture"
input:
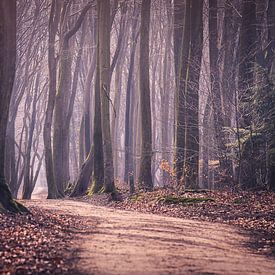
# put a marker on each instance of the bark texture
(104, 80)
(145, 175)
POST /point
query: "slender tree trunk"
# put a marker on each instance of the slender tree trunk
(53, 25)
(104, 73)
(192, 97)
(129, 162)
(165, 98)
(180, 95)
(28, 187)
(145, 174)
(215, 93)
(98, 147)
(247, 54)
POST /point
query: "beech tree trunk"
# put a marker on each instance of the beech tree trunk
(7, 73)
(191, 163)
(145, 174)
(104, 76)
(52, 64)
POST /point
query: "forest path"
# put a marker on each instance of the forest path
(126, 242)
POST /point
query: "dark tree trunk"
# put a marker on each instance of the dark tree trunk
(84, 178)
(28, 186)
(247, 58)
(145, 175)
(215, 92)
(104, 73)
(7, 73)
(191, 163)
(98, 178)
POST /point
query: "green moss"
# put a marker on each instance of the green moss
(196, 190)
(94, 189)
(136, 197)
(238, 201)
(102, 190)
(182, 200)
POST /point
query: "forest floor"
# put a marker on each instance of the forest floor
(206, 232)
(251, 211)
(114, 241)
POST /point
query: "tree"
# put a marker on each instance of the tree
(52, 65)
(271, 70)
(247, 58)
(215, 93)
(129, 112)
(191, 162)
(7, 72)
(98, 177)
(63, 110)
(145, 175)
(181, 65)
(104, 30)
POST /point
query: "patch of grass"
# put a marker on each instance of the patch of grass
(136, 197)
(238, 201)
(182, 200)
(196, 191)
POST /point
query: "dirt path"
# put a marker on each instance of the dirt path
(135, 243)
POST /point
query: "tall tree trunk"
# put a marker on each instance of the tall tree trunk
(104, 73)
(165, 98)
(145, 174)
(63, 108)
(53, 26)
(180, 95)
(7, 73)
(98, 178)
(28, 187)
(271, 72)
(129, 161)
(247, 54)
(191, 162)
(215, 92)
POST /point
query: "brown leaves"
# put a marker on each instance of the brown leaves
(36, 244)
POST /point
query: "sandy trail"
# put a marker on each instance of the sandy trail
(134, 243)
